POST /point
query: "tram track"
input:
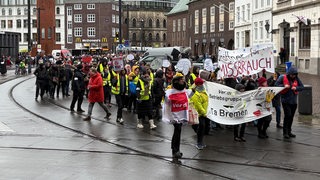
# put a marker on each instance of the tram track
(145, 154)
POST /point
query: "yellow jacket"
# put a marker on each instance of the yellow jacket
(200, 102)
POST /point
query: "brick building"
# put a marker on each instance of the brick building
(92, 25)
(207, 25)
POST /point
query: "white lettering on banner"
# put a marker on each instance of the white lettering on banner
(246, 61)
(231, 107)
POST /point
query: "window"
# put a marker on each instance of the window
(58, 37)
(212, 19)
(134, 37)
(231, 7)
(69, 25)
(18, 11)
(91, 32)
(113, 7)
(204, 20)
(69, 38)
(78, 6)
(150, 23)
(134, 23)
(113, 18)
(158, 23)
(78, 18)
(164, 37)
(261, 27)
(3, 23)
(3, 12)
(238, 14)
(255, 31)
(25, 11)
(10, 12)
(164, 23)
(184, 24)
(49, 33)
(34, 23)
(150, 37)
(58, 10)
(43, 33)
(248, 12)
(242, 39)
(221, 8)
(243, 15)
(25, 23)
(179, 25)
(231, 25)
(305, 36)
(174, 26)
(58, 23)
(268, 2)
(256, 4)
(117, 19)
(91, 6)
(238, 39)
(91, 18)
(262, 3)
(307, 64)
(78, 32)
(19, 23)
(221, 26)
(25, 37)
(157, 37)
(69, 11)
(196, 21)
(10, 24)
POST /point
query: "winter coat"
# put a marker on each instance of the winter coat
(200, 102)
(78, 84)
(96, 88)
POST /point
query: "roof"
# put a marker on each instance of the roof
(179, 7)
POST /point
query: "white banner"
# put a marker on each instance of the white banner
(245, 61)
(229, 106)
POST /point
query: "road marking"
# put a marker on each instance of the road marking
(5, 128)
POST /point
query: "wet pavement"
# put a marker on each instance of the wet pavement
(42, 139)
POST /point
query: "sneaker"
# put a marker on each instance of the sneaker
(243, 139)
(237, 139)
(88, 118)
(286, 136)
(120, 120)
(71, 109)
(140, 126)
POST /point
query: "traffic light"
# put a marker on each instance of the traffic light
(117, 36)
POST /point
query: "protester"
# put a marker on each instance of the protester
(120, 90)
(200, 103)
(78, 88)
(178, 95)
(95, 95)
(144, 101)
(41, 80)
(263, 123)
(289, 95)
(134, 78)
(239, 137)
(276, 101)
(158, 92)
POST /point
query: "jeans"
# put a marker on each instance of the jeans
(289, 111)
(278, 114)
(104, 107)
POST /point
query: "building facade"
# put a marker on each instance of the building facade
(296, 28)
(92, 25)
(210, 24)
(147, 23)
(14, 18)
(9, 44)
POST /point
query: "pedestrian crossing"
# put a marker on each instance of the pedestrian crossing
(4, 128)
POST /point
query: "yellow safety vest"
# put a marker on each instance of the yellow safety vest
(116, 89)
(106, 80)
(142, 96)
(193, 77)
(151, 77)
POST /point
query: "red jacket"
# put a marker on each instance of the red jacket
(96, 89)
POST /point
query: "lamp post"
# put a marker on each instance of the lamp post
(142, 34)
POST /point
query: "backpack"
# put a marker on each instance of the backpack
(132, 88)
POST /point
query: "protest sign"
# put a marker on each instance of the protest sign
(166, 63)
(183, 65)
(208, 65)
(229, 106)
(117, 63)
(156, 64)
(245, 61)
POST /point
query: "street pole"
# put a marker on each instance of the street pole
(29, 26)
(38, 28)
(120, 22)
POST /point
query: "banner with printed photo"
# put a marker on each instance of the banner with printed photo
(117, 63)
(245, 61)
(229, 106)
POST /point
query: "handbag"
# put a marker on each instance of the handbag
(193, 115)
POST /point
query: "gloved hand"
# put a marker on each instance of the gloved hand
(270, 95)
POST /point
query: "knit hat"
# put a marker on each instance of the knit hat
(261, 80)
(198, 81)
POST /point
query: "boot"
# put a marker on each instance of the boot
(88, 118)
(152, 126)
(139, 124)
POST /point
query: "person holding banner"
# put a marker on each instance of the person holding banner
(175, 110)
(289, 95)
(200, 102)
(263, 123)
(239, 137)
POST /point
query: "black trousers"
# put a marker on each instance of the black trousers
(77, 96)
(263, 124)
(236, 130)
(289, 111)
(120, 102)
(176, 138)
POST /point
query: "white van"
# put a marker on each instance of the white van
(163, 51)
